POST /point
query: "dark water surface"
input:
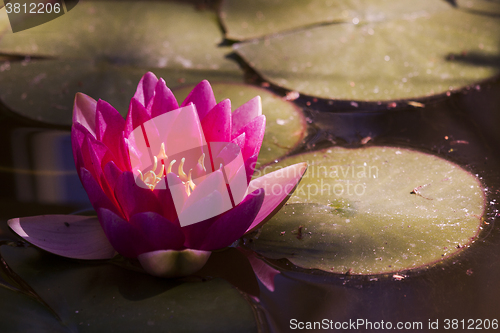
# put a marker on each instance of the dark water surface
(37, 177)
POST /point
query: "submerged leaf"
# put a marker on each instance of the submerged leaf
(374, 210)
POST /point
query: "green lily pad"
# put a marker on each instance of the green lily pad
(103, 49)
(396, 58)
(146, 33)
(257, 18)
(45, 89)
(374, 210)
(285, 122)
(92, 297)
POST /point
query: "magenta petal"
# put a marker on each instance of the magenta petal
(127, 239)
(263, 271)
(109, 129)
(240, 141)
(254, 134)
(164, 100)
(137, 115)
(78, 134)
(278, 186)
(146, 88)
(176, 189)
(96, 195)
(134, 199)
(202, 97)
(108, 122)
(246, 113)
(214, 181)
(160, 233)
(217, 123)
(164, 196)
(84, 112)
(250, 165)
(94, 155)
(232, 224)
(111, 173)
(72, 236)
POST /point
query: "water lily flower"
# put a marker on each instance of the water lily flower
(166, 181)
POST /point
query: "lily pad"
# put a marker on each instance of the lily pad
(374, 210)
(396, 58)
(257, 18)
(102, 49)
(285, 122)
(45, 89)
(146, 33)
(105, 298)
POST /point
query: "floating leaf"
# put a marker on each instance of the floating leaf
(396, 58)
(44, 90)
(106, 298)
(256, 18)
(374, 210)
(102, 49)
(147, 33)
(285, 122)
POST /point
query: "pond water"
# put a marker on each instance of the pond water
(460, 128)
(112, 44)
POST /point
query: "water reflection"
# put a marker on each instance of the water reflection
(43, 167)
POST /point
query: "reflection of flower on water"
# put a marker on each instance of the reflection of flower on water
(144, 221)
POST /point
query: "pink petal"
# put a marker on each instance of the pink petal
(109, 130)
(78, 134)
(185, 134)
(160, 233)
(204, 209)
(146, 88)
(136, 116)
(94, 155)
(164, 100)
(176, 189)
(254, 135)
(96, 194)
(240, 141)
(202, 97)
(263, 271)
(246, 113)
(134, 199)
(164, 197)
(250, 165)
(111, 173)
(232, 224)
(214, 181)
(278, 186)
(217, 123)
(72, 236)
(125, 238)
(84, 112)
